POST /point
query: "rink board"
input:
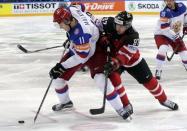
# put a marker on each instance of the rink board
(141, 7)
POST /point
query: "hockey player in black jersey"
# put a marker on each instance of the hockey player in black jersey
(123, 40)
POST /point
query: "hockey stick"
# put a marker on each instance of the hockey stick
(33, 51)
(185, 67)
(36, 116)
(174, 51)
(46, 92)
(28, 51)
(102, 109)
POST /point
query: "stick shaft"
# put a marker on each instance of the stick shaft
(175, 50)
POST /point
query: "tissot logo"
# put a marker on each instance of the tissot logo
(19, 6)
(35, 6)
(148, 6)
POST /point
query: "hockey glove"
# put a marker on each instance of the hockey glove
(111, 66)
(104, 42)
(57, 71)
(185, 29)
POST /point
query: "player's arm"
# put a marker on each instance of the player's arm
(105, 24)
(129, 50)
(185, 23)
(79, 55)
(165, 26)
(78, 5)
(81, 49)
(127, 55)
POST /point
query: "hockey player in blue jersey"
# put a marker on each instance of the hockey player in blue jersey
(173, 20)
(83, 35)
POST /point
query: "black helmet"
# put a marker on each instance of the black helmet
(124, 18)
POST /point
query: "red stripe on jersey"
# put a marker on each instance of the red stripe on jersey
(126, 61)
(123, 59)
(126, 51)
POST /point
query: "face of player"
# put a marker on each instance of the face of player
(170, 3)
(120, 29)
(64, 26)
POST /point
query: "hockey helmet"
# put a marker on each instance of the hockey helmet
(124, 18)
(62, 14)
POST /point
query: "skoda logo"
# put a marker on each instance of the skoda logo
(131, 6)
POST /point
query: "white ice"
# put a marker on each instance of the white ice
(24, 79)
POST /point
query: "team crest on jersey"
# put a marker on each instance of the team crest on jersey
(76, 31)
(180, 5)
(163, 14)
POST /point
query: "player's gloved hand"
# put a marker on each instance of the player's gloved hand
(111, 66)
(185, 29)
(104, 41)
(57, 71)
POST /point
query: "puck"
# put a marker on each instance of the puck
(21, 121)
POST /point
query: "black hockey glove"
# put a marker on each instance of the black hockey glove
(111, 66)
(104, 41)
(108, 68)
(57, 71)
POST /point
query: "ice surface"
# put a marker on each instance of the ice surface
(24, 79)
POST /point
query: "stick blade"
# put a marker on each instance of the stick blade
(96, 111)
(22, 48)
(169, 58)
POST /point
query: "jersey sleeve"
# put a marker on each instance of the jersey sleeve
(128, 54)
(79, 5)
(165, 25)
(131, 39)
(81, 49)
(185, 18)
(105, 24)
(82, 45)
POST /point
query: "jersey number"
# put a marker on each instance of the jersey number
(136, 42)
